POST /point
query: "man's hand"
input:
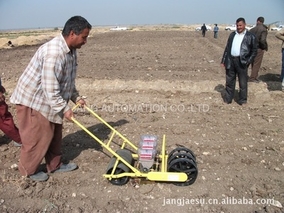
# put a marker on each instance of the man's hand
(68, 114)
(81, 102)
(2, 97)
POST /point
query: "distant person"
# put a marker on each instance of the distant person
(7, 124)
(216, 30)
(10, 44)
(203, 30)
(239, 53)
(41, 97)
(280, 35)
(260, 31)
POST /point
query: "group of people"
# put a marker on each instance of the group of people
(215, 30)
(246, 48)
(47, 85)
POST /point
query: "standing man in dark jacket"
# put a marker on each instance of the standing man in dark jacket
(239, 53)
(260, 31)
(203, 29)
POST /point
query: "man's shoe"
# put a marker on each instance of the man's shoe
(66, 167)
(17, 144)
(226, 101)
(40, 176)
(243, 104)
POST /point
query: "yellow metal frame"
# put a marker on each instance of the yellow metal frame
(153, 175)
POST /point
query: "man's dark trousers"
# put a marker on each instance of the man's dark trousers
(240, 70)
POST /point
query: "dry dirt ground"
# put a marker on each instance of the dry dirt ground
(161, 82)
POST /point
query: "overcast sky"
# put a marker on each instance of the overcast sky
(23, 14)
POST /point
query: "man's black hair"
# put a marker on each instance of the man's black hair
(241, 19)
(260, 19)
(76, 24)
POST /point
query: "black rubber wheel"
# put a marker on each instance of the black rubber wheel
(121, 167)
(181, 155)
(187, 166)
(181, 152)
(119, 181)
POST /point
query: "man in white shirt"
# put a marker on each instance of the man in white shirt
(239, 53)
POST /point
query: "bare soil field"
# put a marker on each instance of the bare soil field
(161, 82)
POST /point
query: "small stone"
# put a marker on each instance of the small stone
(14, 166)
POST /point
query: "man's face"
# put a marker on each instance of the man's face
(241, 26)
(79, 40)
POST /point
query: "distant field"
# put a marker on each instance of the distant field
(36, 36)
(17, 33)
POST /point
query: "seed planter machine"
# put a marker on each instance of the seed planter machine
(144, 161)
